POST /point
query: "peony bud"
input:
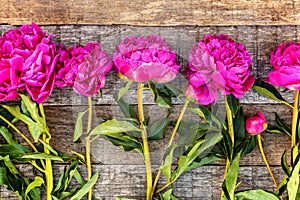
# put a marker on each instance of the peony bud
(256, 124)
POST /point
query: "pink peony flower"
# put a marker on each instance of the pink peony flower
(285, 59)
(204, 78)
(9, 80)
(91, 73)
(256, 124)
(83, 68)
(217, 63)
(16, 46)
(38, 70)
(146, 58)
(69, 61)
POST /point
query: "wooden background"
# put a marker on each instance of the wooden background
(259, 25)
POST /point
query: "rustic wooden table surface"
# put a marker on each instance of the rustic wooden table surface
(259, 25)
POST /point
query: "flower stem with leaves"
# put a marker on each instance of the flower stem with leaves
(169, 144)
(231, 134)
(48, 168)
(146, 151)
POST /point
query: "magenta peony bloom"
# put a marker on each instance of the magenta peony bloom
(285, 59)
(69, 61)
(256, 124)
(9, 80)
(91, 73)
(38, 70)
(217, 63)
(83, 68)
(146, 58)
(24, 40)
(16, 46)
(204, 78)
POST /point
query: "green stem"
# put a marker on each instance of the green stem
(170, 143)
(88, 146)
(294, 119)
(48, 168)
(231, 134)
(230, 123)
(146, 151)
(19, 132)
(265, 159)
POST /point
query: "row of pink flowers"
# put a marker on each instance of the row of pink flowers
(30, 61)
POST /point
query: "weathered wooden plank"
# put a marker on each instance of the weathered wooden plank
(151, 13)
(201, 183)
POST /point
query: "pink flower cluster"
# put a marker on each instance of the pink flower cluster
(216, 64)
(30, 61)
(146, 58)
(285, 59)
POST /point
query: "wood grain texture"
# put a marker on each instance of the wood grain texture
(151, 12)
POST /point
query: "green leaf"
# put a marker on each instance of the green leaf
(4, 113)
(7, 135)
(269, 91)
(249, 146)
(127, 142)
(203, 161)
(210, 140)
(186, 160)
(202, 111)
(282, 186)
(113, 128)
(293, 183)
(275, 130)
(256, 195)
(162, 95)
(190, 131)
(123, 90)
(79, 178)
(37, 182)
(78, 126)
(126, 109)
(284, 164)
(35, 128)
(31, 107)
(14, 181)
(85, 189)
(156, 130)
(166, 168)
(168, 195)
(65, 178)
(14, 151)
(48, 147)
(237, 117)
(282, 125)
(42, 156)
(174, 91)
(230, 182)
